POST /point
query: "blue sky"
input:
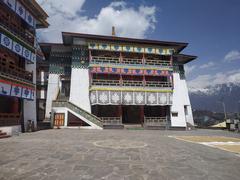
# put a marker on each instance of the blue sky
(211, 27)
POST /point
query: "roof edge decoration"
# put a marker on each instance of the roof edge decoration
(68, 39)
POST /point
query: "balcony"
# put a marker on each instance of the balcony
(13, 25)
(130, 61)
(157, 62)
(158, 84)
(102, 82)
(8, 68)
(131, 83)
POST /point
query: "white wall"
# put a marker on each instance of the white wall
(30, 109)
(79, 92)
(180, 99)
(11, 130)
(65, 111)
(52, 92)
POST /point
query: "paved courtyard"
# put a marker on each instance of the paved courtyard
(115, 154)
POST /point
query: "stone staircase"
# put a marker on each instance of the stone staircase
(3, 135)
(79, 112)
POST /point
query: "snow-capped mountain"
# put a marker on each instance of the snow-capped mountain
(211, 97)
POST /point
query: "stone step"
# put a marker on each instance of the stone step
(3, 135)
(133, 126)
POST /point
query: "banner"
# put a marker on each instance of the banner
(105, 97)
(27, 54)
(6, 41)
(17, 7)
(5, 89)
(17, 48)
(20, 10)
(11, 4)
(16, 90)
(131, 48)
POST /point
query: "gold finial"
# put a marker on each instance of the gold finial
(113, 31)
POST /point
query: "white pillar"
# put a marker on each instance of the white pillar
(79, 92)
(180, 99)
(52, 92)
(30, 109)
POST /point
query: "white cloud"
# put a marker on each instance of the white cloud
(232, 56)
(188, 69)
(66, 16)
(203, 81)
(207, 65)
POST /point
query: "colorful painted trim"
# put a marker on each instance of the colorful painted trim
(132, 66)
(130, 98)
(162, 90)
(129, 71)
(19, 9)
(130, 48)
(17, 48)
(16, 81)
(16, 90)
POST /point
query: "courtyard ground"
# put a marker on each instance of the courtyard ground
(118, 154)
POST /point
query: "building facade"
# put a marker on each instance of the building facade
(19, 52)
(108, 82)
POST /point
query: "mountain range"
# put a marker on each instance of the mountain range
(212, 98)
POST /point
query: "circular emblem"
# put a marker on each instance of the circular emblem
(27, 53)
(20, 9)
(26, 92)
(6, 41)
(29, 18)
(17, 47)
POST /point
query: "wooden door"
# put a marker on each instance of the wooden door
(59, 119)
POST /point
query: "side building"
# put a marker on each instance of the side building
(19, 20)
(108, 82)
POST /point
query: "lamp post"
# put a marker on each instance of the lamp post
(224, 109)
(238, 109)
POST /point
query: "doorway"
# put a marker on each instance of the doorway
(131, 115)
(59, 119)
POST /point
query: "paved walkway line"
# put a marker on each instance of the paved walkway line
(229, 146)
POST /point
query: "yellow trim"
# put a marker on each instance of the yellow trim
(129, 89)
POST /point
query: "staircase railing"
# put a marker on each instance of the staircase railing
(78, 110)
